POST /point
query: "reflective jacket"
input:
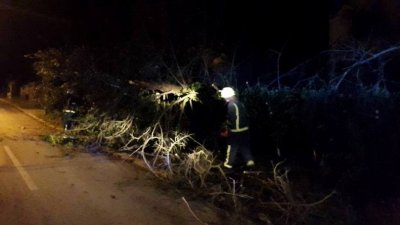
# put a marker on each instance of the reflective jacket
(237, 116)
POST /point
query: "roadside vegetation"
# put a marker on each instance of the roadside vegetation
(325, 134)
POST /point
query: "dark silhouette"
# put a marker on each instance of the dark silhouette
(70, 110)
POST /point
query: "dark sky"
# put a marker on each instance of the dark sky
(300, 30)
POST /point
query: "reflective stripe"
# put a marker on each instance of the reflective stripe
(228, 152)
(237, 124)
(69, 111)
(237, 116)
(239, 130)
(250, 163)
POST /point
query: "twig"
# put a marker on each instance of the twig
(191, 211)
(312, 204)
(233, 194)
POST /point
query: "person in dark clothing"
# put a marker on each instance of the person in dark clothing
(70, 110)
(236, 131)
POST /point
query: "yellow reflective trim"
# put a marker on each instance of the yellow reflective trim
(237, 116)
(228, 152)
(239, 130)
(69, 111)
(237, 125)
(250, 163)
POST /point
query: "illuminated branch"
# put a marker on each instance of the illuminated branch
(191, 211)
(362, 62)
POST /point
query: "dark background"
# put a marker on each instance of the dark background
(297, 29)
(252, 31)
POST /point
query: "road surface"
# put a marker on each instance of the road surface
(41, 185)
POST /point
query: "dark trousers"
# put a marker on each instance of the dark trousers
(68, 120)
(237, 143)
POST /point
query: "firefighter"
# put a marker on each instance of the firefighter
(70, 110)
(236, 131)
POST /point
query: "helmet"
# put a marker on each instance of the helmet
(227, 92)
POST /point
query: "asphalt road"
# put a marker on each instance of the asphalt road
(41, 185)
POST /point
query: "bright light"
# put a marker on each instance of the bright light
(227, 92)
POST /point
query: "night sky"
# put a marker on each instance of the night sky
(298, 30)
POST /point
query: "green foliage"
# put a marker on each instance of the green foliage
(54, 139)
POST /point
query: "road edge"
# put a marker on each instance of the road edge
(114, 155)
(30, 114)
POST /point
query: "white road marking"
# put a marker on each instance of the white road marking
(24, 174)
